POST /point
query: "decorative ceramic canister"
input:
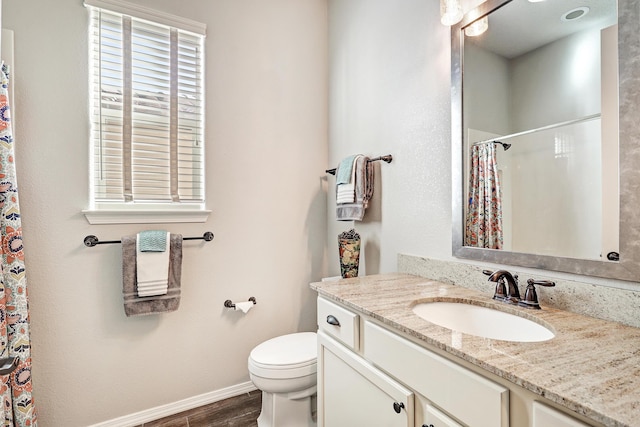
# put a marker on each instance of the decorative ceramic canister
(349, 248)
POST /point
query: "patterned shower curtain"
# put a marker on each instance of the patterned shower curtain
(17, 403)
(484, 215)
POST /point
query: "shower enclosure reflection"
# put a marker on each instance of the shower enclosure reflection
(555, 101)
(550, 184)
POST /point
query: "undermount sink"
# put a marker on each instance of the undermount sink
(482, 321)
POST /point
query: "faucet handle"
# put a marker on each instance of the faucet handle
(501, 290)
(530, 296)
(547, 283)
(501, 287)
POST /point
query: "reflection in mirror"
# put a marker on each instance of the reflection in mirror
(542, 81)
(627, 159)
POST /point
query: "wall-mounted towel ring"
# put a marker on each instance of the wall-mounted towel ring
(229, 304)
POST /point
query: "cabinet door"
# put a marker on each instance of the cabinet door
(351, 392)
(544, 416)
(469, 397)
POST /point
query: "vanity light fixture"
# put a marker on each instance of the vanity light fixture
(477, 27)
(450, 12)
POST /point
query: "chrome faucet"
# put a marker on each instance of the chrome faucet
(508, 292)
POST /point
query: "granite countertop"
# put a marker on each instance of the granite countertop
(591, 367)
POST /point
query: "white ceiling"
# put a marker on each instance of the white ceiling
(521, 26)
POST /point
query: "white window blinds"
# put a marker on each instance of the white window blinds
(147, 109)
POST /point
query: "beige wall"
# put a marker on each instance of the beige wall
(266, 150)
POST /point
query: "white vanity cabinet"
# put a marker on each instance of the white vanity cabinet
(465, 395)
(377, 385)
(351, 391)
(370, 375)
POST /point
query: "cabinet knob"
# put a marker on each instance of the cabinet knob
(398, 406)
(331, 319)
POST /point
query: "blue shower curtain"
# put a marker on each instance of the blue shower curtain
(18, 409)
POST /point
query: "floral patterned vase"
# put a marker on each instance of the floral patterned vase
(349, 257)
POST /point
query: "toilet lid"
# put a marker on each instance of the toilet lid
(287, 351)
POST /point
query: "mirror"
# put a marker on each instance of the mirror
(543, 81)
(547, 114)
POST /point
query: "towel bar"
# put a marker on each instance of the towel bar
(91, 241)
(388, 158)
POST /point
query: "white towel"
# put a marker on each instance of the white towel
(346, 193)
(153, 292)
(152, 270)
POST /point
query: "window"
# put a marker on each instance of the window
(147, 109)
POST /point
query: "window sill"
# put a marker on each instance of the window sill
(117, 216)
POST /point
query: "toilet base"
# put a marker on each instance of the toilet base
(284, 410)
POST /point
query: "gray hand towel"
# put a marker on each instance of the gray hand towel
(136, 306)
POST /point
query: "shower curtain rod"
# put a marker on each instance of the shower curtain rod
(553, 126)
(505, 145)
(91, 241)
(388, 158)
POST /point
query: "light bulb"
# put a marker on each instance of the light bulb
(477, 27)
(450, 12)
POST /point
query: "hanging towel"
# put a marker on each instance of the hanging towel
(345, 168)
(364, 178)
(135, 305)
(345, 192)
(153, 241)
(152, 259)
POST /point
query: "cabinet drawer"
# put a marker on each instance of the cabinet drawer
(469, 397)
(339, 323)
(435, 418)
(544, 416)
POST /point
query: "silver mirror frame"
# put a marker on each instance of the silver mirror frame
(628, 267)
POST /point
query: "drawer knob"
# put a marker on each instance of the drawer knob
(331, 319)
(398, 406)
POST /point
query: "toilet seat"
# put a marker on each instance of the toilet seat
(286, 356)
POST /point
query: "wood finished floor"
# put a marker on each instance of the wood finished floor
(239, 411)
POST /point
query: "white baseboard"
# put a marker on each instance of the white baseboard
(177, 407)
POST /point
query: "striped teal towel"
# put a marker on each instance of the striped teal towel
(152, 241)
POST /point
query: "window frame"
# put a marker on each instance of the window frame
(119, 212)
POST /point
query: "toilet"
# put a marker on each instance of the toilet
(284, 368)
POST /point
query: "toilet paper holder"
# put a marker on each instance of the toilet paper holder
(229, 304)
